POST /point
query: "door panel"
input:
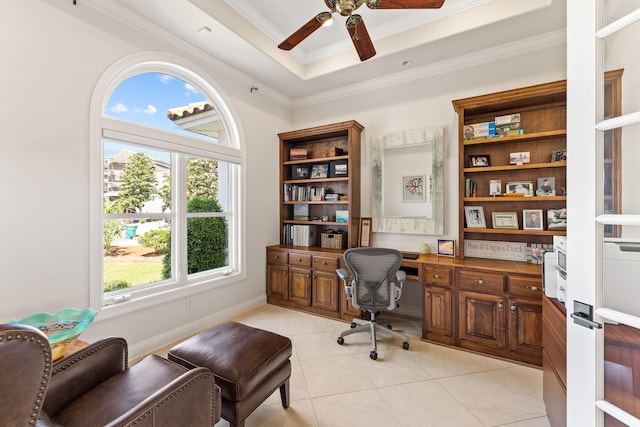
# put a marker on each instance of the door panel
(325, 290)
(300, 285)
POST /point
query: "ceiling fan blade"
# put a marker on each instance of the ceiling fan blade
(405, 4)
(305, 31)
(360, 37)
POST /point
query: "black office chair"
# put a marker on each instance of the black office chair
(376, 285)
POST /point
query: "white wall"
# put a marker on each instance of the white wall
(52, 56)
(56, 54)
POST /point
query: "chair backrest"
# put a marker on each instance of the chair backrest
(373, 272)
(25, 369)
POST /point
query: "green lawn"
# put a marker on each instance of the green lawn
(136, 273)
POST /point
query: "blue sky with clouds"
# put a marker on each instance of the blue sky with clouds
(145, 99)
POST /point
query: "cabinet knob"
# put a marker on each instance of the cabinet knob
(500, 305)
(533, 288)
(427, 293)
(513, 307)
(324, 262)
(299, 259)
(437, 276)
(481, 281)
(277, 257)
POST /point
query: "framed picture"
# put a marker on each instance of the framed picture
(546, 186)
(519, 158)
(495, 187)
(339, 169)
(299, 171)
(559, 155)
(505, 220)
(365, 232)
(297, 153)
(532, 219)
(474, 215)
(479, 160)
(520, 187)
(320, 171)
(557, 219)
(413, 188)
(447, 247)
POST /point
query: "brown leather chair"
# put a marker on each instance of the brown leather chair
(96, 387)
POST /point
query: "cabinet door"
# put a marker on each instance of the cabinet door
(300, 285)
(525, 328)
(325, 290)
(481, 320)
(437, 314)
(278, 281)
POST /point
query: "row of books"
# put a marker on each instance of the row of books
(506, 125)
(303, 193)
(469, 188)
(300, 235)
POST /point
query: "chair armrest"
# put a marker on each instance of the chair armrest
(401, 276)
(193, 399)
(74, 375)
(342, 273)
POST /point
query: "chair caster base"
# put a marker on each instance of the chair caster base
(373, 355)
(405, 345)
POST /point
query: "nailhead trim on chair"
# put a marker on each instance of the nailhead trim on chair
(175, 393)
(59, 367)
(46, 349)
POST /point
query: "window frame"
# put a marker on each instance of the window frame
(105, 127)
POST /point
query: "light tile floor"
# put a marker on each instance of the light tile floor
(428, 385)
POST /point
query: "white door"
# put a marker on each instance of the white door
(603, 261)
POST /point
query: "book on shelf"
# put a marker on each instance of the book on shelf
(300, 235)
(302, 193)
(332, 197)
(469, 188)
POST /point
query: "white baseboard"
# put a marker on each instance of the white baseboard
(150, 345)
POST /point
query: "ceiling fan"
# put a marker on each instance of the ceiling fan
(355, 24)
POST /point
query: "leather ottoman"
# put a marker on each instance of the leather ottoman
(249, 364)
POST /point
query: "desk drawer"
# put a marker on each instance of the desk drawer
(481, 280)
(439, 275)
(528, 287)
(302, 260)
(277, 257)
(325, 263)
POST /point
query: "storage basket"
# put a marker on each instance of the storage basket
(332, 240)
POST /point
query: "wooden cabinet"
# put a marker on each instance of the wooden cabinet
(306, 279)
(542, 112)
(438, 308)
(320, 177)
(554, 361)
(481, 321)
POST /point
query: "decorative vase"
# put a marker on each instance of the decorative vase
(424, 248)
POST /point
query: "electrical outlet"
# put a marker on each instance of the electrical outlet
(189, 304)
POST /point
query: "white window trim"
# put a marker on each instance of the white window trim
(118, 72)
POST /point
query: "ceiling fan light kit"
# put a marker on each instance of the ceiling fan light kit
(354, 23)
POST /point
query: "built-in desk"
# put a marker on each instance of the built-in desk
(489, 306)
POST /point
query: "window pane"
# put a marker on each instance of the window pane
(207, 244)
(134, 253)
(166, 102)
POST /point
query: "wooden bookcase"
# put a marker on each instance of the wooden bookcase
(542, 110)
(320, 145)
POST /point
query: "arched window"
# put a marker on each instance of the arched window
(166, 168)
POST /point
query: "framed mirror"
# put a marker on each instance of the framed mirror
(408, 182)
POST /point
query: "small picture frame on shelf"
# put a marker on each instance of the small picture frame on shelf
(559, 155)
(446, 247)
(519, 158)
(495, 187)
(320, 171)
(339, 169)
(474, 216)
(300, 172)
(532, 219)
(557, 219)
(507, 220)
(546, 186)
(342, 216)
(479, 160)
(365, 233)
(520, 187)
(297, 153)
